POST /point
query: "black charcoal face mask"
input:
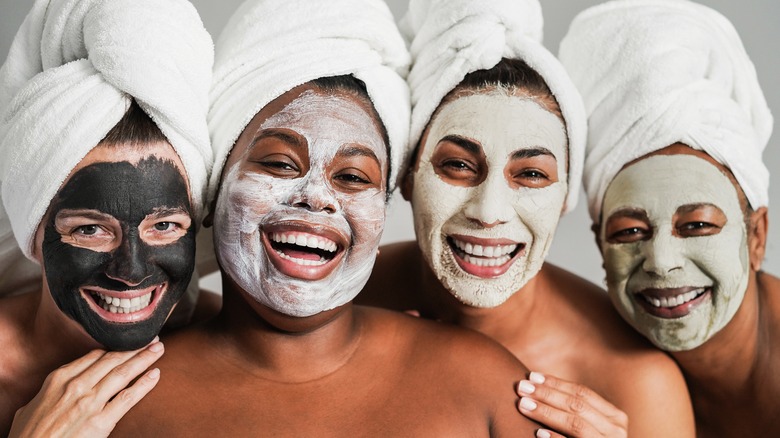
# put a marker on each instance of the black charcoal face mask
(141, 281)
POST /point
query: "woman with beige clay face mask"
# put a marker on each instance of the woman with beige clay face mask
(499, 132)
(678, 196)
(103, 176)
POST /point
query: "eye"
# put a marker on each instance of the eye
(699, 220)
(457, 165)
(165, 226)
(694, 229)
(279, 165)
(353, 178)
(627, 228)
(87, 230)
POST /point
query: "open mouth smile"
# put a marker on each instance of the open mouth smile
(486, 258)
(672, 303)
(304, 251)
(125, 306)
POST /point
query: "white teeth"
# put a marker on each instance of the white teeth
(498, 251)
(496, 261)
(675, 300)
(303, 262)
(124, 305)
(309, 241)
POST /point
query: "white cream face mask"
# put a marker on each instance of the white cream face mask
(304, 245)
(680, 281)
(486, 241)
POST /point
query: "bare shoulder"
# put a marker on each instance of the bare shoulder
(16, 313)
(394, 278)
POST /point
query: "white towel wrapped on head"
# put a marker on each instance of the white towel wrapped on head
(271, 46)
(71, 71)
(452, 38)
(656, 72)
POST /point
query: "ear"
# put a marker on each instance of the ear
(407, 185)
(208, 221)
(595, 227)
(757, 234)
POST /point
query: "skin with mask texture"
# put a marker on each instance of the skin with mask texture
(129, 236)
(292, 356)
(683, 257)
(501, 185)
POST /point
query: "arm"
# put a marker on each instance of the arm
(88, 396)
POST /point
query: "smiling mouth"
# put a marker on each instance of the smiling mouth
(484, 258)
(125, 306)
(302, 248)
(672, 303)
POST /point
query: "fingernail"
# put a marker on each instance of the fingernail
(154, 374)
(526, 387)
(156, 347)
(536, 377)
(527, 404)
(156, 338)
(541, 433)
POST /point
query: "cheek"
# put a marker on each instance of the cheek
(365, 213)
(540, 209)
(434, 201)
(176, 259)
(251, 197)
(68, 265)
(620, 260)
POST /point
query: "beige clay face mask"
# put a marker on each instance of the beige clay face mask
(675, 249)
(304, 245)
(485, 241)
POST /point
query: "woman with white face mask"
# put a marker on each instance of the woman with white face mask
(678, 196)
(499, 132)
(308, 119)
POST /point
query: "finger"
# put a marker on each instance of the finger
(65, 373)
(574, 389)
(129, 397)
(123, 373)
(110, 360)
(547, 433)
(571, 425)
(412, 312)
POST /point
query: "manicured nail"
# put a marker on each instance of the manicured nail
(527, 404)
(526, 387)
(154, 374)
(536, 377)
(541, 433)
(156, 338)
(156, 347)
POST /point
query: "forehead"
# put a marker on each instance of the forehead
(501, 122)
(661, 183)
(333, 118)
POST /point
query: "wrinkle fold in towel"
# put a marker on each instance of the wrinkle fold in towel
(656, 72)
(451, 38)
(71, 71)
(269, 47)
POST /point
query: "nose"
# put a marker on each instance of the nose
(313, 194)
(129, 261)
(662, 253)
(489, 204)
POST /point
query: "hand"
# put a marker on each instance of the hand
(88, 396)
(569, 408)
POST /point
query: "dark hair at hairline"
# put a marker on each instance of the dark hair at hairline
(355, 86)
(135, 128)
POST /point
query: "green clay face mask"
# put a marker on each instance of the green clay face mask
(674, 243)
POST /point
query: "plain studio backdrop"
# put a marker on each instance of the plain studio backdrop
(574, 248)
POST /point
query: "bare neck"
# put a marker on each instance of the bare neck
(285, 348)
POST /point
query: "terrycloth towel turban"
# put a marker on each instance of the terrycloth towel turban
(68, 79)
(656, 72)
(451, 38)
(269, 47)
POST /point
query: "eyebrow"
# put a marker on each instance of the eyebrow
(630, 212)
(281, 135)
(532, 152)
(354, 150)
(167, 211)
(689, 208)
(89, 214)
(468, 145)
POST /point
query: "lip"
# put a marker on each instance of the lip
(703, 293)
(481, 271)
(297, 270)
(157, 291)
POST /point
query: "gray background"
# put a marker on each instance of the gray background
(757, 21)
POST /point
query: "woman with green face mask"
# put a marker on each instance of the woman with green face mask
(678, 196)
